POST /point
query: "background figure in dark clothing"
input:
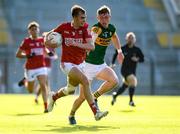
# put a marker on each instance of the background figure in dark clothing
(132, 55)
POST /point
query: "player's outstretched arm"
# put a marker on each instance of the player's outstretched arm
(117, 45)
(21, 54)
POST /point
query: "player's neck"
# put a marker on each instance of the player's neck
(130, 45)
(33, 37)
(105, 26)
(75, 25)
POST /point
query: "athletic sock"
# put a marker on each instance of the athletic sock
(45, 105)
(37, 94)
(131, 93)
(121, 89)
(55, 96)
(96, 94)
(96, 103)
(72, 113)
(93, 108)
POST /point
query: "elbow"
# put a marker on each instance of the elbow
(45, 44)
(92, 48)
(17, 56)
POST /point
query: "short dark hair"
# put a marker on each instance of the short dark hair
(76, 9)
(104, 9)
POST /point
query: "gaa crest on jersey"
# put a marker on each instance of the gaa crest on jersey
(95, 29)
(73, 33)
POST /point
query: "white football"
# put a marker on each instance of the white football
(55, 38)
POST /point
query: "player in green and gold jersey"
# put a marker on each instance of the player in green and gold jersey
(95, 67)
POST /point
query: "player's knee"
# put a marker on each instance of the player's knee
(81, 99)
(69, 89)
(43, 86)
(30, 90)
(85, 81)
(115, 82)
(132, 84)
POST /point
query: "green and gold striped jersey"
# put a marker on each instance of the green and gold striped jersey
(101, 43)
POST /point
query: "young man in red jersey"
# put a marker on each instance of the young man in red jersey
(32, 48)
(76, 41)
(49, 57)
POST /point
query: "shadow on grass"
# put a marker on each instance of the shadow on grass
(26, 114)
(127, 111)
(70, 128)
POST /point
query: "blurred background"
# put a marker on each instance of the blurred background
(156, 24)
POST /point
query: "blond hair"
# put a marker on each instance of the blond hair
(104, 9)
(33, 23)
(131, 34)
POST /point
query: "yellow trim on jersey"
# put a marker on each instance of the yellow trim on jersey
(102, 41)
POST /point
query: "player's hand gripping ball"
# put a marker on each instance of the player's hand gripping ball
(54, 37)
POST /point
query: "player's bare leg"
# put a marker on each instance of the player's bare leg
(77, 77)
(111, 81)
(44, 87)
(37, 91)
(82, 79)
(132, 82)
(30, 86)
(77, 103)
(118, 92)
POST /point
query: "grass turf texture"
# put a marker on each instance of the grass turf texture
(152, 115)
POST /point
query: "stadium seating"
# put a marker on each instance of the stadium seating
(5, 37)
(169, 40)
(153, 4)
(148, 19)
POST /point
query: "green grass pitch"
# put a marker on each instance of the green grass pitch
(152, 115)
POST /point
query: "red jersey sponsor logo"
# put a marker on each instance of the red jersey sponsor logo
(69, 41)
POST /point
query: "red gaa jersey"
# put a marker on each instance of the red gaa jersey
(70, 35)
(34, 46)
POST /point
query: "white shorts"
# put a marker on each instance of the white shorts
(68, 66)
(48, 71)
(91, 70)
(31, 74)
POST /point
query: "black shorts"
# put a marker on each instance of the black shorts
(126, 74)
